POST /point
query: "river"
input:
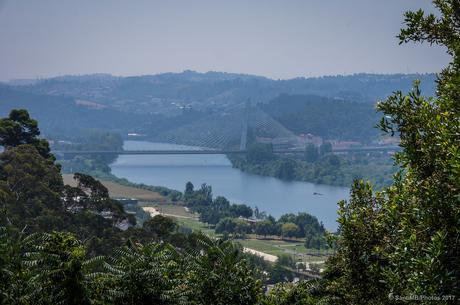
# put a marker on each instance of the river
(272, 195)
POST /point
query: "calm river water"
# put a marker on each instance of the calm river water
(271, 195)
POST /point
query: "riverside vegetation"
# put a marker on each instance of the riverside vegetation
(400, 243)
(318, 165)
(229, 218)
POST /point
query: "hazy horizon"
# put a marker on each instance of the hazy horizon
(270, 38)
(210, 71)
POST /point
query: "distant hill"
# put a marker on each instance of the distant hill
(168, 93)
(207, 108)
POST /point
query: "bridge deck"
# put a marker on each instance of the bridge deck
(213, 152)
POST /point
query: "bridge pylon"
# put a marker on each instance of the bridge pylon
(244, 126)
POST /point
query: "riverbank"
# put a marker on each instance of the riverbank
(331, 170)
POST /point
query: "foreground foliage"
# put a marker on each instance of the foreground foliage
(52, 268)
(404, 242)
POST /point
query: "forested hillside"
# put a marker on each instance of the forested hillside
(325, 117)
(64, 116)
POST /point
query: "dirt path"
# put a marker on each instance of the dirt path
(179, 216)
(265, 256)
(152, 211)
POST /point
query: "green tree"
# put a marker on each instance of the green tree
(286, 169)
(358, 257)
(280, 274)
(303, 293)
(406, 239)
(325, 148)
(241, 210)
(286, 260)
(423, 205)
(18, 128)
(221, 203)
(188, 189)
(161, 226)
(290, 229)
(233, 225)
(259, 153)
(316, 241)
(15, 284)
(59, 261)
(311, 153)
(221, 276)
(333, 161)
(42, 268)
(308, 225)
(206, 193)
(265, 228)
(91, 186)
(32, 187)
(211, 216)
(138, 274)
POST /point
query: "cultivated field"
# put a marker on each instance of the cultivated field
(118, 190)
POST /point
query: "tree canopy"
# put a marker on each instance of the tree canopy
(404, 240)
(18, 128)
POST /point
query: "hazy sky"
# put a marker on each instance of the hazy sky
(278, 39)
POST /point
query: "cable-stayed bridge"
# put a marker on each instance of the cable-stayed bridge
(231, 130)
(216, 151)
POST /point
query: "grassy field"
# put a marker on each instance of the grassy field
(195, 225)
(280, 247)
(182, 216)
(271, 246)
(118, 190)
(262, 246)
(274, 247)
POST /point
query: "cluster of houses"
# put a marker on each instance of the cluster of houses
(302, 140)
